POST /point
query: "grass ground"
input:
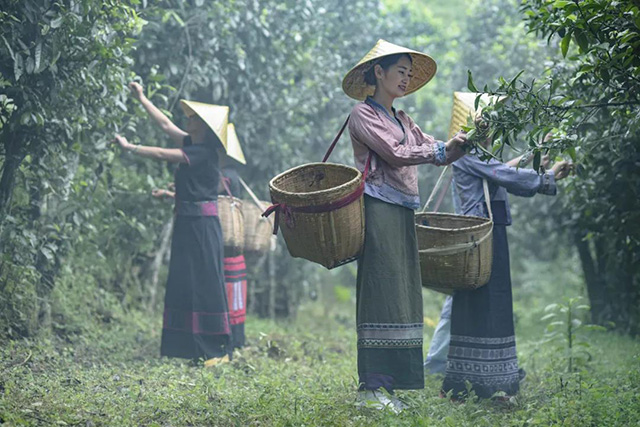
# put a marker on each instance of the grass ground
(290, 374)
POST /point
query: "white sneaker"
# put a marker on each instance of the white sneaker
(398, 404)
(376, 400)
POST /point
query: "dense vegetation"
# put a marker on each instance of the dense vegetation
(83, 244)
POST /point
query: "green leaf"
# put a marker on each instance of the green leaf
(177, 18)
(56, 22)
(37, 56)
(513, 81)
(18, 67)
(47, 253)
(564, 44)
(582, 41)
(470, 84)
(536, 160)
(551, 307)
(547, 316)
(9, 48)
(571, 151)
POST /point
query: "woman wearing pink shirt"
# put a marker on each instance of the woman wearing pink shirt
(389, 291)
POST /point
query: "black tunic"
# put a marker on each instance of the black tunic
(196, 319)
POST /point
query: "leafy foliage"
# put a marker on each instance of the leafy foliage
(565, 325)
(590, 100)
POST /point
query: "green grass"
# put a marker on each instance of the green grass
(291, 373)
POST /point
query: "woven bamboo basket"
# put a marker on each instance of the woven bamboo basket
(232, 222)
(328, 238)
(456, 251)
(257, 230)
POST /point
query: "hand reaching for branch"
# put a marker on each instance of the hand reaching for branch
(136, 90)
(561, 169)
(122, 142)
(545, 162)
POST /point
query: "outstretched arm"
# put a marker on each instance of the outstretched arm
(168, 127)
(365, 126)
(160, 193)
(518, 181)
(171, 155)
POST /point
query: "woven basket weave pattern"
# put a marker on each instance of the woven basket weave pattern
(257, 230)
(468, 269)
(232, 222)
(327, 238)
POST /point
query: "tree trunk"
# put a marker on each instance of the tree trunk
(596, 286)
(12, 161)
(156, 264)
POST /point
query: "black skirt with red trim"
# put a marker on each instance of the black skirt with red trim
(196, 318)
(235, 275)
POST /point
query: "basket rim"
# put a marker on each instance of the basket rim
(318, 192)
(234, 198)
(486, 222)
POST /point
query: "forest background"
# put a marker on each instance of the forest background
(84, 245)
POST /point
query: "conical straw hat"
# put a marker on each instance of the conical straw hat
(424, 68)
(215, 116)
(464, 108)
(234, 150)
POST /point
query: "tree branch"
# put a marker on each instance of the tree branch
(597, 105)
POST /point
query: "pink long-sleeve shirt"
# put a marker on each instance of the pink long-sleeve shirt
(398, 146)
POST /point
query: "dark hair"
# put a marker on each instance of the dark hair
(385, 62)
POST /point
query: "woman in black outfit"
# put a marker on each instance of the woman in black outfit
(196, 319)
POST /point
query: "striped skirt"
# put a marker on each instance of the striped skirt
(482, 349)
(235, 277)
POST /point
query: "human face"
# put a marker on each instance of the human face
(395, 80)
(196, 128)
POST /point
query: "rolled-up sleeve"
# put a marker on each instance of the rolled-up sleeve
(366, 127)
(518, 181)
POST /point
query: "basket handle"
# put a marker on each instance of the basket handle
(333, 145)
(485, 189)
(225, 183)
(435, 190)
(487, 198)
(252, 195)
(335, 141)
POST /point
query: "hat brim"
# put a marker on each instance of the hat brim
(216, 117)
(423, 70)
(464, 108)
(234, 149)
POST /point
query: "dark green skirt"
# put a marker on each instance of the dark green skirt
(389, 300)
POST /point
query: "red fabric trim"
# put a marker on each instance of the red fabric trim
(237, 300)
(191, 322)
(234, 259)
(234, 264)
(238, 267)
